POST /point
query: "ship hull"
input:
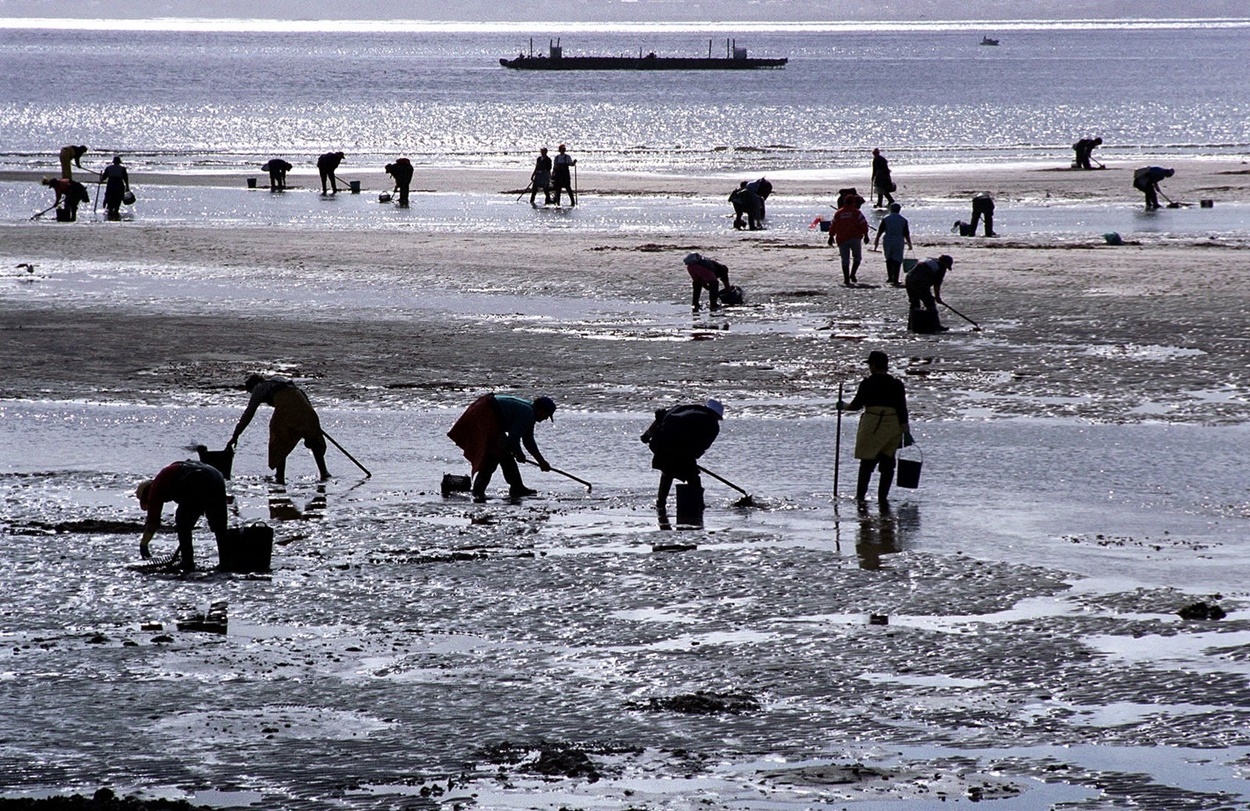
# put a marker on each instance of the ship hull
(638, 63)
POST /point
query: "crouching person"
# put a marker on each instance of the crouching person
(706, 274)
(198, 490)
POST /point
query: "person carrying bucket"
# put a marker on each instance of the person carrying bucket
(492, 432)
(198, 490)
(293, 419)
(897, 234)
(882, 427)
(677, 438)
(117, 181)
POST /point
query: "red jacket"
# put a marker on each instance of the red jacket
(848, 223)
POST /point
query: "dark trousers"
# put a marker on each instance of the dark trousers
(535, 188)
(920, 295)
(328, 177)
(893, 267)
(564, 185)
(982, 208)
(666, 484)
(403, 195)
(208, 500)
(713, 294)
(277, 181)
(1151, 192)
(511, 474)
(866, 467)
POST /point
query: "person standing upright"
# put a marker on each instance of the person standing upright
(327, 165)
(118, 183)
(848, 230)
(882, 184)
(882, 427)
(562, 177)
(897, 234)
(541, 178)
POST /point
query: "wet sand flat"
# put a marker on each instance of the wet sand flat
(1008, 631)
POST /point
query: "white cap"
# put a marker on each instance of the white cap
(717, 407)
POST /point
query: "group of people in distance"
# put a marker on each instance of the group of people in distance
(70, 193)
(552, 177)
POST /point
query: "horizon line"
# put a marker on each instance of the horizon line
(262, 24)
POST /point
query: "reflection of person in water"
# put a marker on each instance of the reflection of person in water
(282, 507)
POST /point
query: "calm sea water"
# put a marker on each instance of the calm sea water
(220, 100)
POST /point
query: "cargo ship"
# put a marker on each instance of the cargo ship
(735, 58)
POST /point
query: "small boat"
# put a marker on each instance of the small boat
(988, 41)
(735, 58)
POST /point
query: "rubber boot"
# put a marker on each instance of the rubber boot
(661, 495)
(865, 475)
(884, 481)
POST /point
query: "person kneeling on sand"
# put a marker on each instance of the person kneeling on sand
(492, 431)
(198, 490)
(677, 438)
(293, 419)
(882, 427)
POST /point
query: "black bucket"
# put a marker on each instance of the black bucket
(354, 185)
(908, 470)
(456, 484)
(924, 321)
(223, 460)
(690, 505)
(64, 215)
(246, 549)
(251, 182)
